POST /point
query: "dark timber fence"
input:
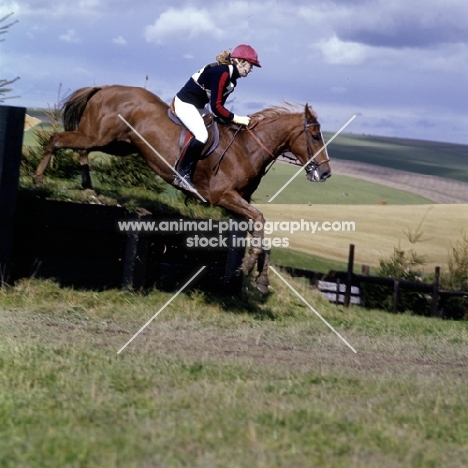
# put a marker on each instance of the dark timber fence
(347, 281)
(11, 140)
(80, 244)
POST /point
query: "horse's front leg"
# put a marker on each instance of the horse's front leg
(233, 202)
(255, 251)
(262, 279)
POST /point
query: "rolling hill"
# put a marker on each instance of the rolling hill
(422, 157)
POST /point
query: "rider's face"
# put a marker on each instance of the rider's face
(244, 68)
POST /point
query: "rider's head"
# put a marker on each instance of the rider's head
(244, 58)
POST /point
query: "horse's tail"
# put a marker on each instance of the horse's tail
(74, 107)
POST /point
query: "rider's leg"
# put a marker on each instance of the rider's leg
(191, 117)
(188, 159)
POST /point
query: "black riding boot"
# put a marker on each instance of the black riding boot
(186, 165)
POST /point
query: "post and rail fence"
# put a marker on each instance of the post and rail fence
(346, 287)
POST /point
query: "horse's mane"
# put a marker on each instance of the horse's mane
(278, 111)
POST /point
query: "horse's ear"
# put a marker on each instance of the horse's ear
(310, 114)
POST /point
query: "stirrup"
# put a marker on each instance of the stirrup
(184, 183)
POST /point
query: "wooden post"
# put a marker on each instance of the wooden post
(365, 271)
(11, 140)
(435, 293)
(396, 287)
(134, 267)
(233, 276)
(337, 297)
(136, 257)
(349, 276)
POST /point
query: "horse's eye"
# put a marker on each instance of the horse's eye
(316, 137)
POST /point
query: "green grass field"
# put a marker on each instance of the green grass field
(225, 382)
(338, 190)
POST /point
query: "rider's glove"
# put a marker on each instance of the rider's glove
(241, 120)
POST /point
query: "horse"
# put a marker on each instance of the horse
(122, 120)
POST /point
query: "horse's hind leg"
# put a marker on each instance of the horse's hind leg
(39, 174)
(73, 140)
(85, 174)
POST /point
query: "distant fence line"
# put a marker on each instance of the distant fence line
(345, 287)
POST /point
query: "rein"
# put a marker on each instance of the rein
(218, 162)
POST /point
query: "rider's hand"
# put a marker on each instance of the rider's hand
(241, 120)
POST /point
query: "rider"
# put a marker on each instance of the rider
(212, 84)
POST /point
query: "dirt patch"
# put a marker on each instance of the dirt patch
(248, 347)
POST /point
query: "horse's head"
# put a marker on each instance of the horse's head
(309, 148)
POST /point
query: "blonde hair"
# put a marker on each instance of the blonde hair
(224, 58)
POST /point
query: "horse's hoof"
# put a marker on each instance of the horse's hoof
(263, 284)
(264, 289)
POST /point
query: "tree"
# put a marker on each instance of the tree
(4, 83)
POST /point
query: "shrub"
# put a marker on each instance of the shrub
(401, 265)
(129, 171)
(456, 279)
(64, 165)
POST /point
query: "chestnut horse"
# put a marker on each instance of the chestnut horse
(122, 120)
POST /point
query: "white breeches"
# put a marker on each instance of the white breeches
(192, 118)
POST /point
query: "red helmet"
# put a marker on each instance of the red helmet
(245, 52)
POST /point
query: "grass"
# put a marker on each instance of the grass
(293, 258)
(228, 382)
(338, 190)
(168, 201)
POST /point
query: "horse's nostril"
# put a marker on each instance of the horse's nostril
(326, 175)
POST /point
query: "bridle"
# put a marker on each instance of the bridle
(311, 165)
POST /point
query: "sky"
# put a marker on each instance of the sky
(400, 66)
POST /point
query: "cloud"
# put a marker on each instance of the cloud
(184, 23)
(119, 40)
(70, 36)
(395, 24)
(59, 10)
(336, 52)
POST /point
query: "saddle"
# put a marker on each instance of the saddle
(186, 135)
